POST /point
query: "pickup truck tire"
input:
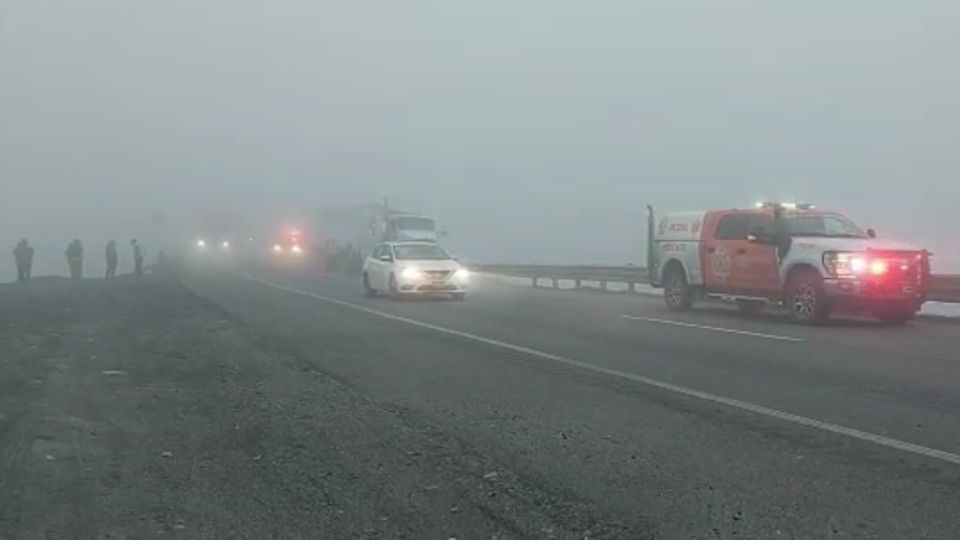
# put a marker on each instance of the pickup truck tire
(895, 315)
(677, 293)
(750, 307)
(806, 300)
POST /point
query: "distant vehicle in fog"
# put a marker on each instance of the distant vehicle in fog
(202, 245)
(212, 247)
(290, 245)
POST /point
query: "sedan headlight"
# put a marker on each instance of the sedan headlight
(845, 264)
(461, 275)
(297, 249)
(411, 273)
(201, 243)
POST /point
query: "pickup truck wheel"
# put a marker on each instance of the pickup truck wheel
(368, 291)
(676, 292)
(895, 315)
(750, 306)
(806, 300)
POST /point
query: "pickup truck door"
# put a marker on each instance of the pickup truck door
(727, 233)
(734, 264)
(761, 255)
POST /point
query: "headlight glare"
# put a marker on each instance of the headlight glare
(879, 268)
(411, 273)
(845, 264)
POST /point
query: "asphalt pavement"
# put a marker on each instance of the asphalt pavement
(133, 409)
(709, 424)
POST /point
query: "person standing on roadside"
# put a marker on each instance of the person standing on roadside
(75, 259)
(29, 262)
(137, 258)
(112, 260)
(356, 261)
(23, 254)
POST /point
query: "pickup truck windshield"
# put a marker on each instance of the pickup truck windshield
(421, 253)
(823, 225)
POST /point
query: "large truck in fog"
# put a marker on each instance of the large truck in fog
(365, 225)
(408, 227)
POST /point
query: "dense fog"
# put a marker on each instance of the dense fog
(533, 131)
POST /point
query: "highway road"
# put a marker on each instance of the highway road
(708, 424)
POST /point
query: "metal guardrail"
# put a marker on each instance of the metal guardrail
(630, 275)
(943, 287)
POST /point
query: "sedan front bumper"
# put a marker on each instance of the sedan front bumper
(432, 287)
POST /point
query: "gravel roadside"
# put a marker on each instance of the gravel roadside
(133, 409)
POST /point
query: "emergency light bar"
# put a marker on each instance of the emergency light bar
(786, 205)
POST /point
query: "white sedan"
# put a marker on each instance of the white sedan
(412, 268)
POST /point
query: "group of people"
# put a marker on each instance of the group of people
(343, 259)
(23, 254)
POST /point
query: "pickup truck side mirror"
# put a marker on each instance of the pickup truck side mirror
(871, 233)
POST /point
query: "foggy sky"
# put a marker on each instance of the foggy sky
(535, 131)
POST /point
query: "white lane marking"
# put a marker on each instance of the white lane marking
(683, 390)
(714, 328)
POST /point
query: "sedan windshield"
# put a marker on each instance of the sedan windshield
(421, 252)
(823, 225)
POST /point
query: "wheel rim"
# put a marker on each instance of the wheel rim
(804, 301)
(674, 291)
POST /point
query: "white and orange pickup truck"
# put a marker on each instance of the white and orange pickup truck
(814, 262)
